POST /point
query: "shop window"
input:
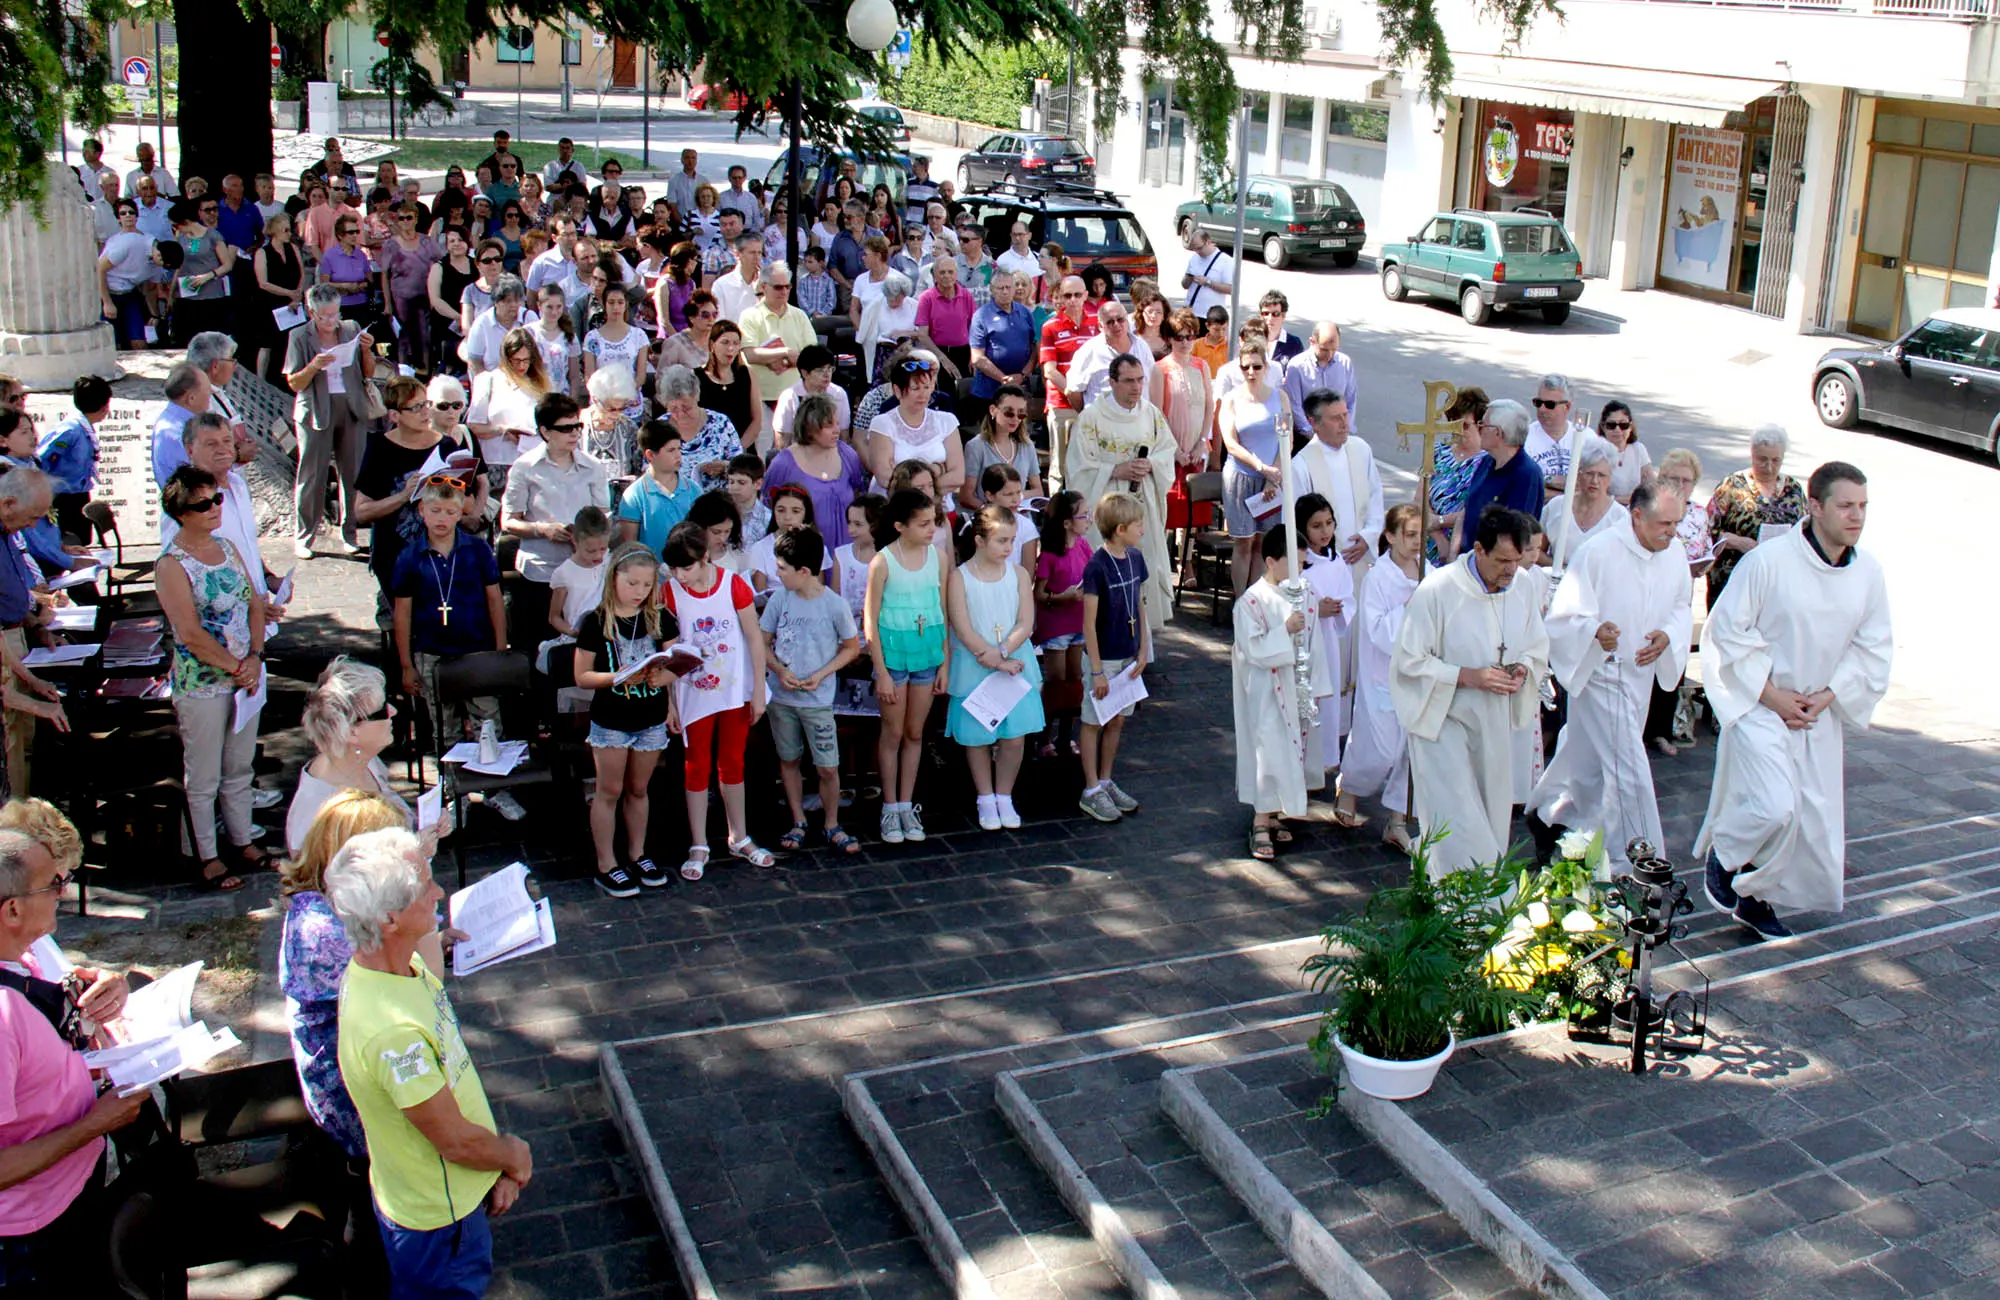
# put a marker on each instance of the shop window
(506, 51)
(1976, 220)
(1295, 145)
(1357, 122)
(1943, 133)
(1897, 128)
(1524, 156)
(1260, 128)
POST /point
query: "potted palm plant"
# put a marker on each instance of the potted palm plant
(1407, 972)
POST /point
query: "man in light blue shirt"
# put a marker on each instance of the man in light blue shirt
(187, 396)
(68, 453)
(1003, 343)
(1322, 365)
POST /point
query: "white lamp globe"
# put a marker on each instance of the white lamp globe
(871, 24)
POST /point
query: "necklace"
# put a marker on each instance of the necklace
(1127, 578)
(449, 571)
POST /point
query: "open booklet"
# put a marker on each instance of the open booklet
(459, 462)
(157, 1036)
(679, 659)
(500, 921)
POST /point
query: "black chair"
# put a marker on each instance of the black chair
(1207, 544)
(508, 677)
(123, 573)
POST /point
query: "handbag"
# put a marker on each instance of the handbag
(371, 393)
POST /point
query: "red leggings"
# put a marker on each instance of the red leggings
(701, 738)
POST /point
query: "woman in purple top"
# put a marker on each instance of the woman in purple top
(347, 268)
(405, 262)
(822, 463)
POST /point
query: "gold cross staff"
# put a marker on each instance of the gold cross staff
(1438, 397)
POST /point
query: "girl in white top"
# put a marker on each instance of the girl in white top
(1001, 486)
(1619, 427)
(561, 352)
(1377, 758)
(791, 508)
(911, 430)
(850, 562)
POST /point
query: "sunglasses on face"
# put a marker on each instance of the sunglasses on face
(577, 427)
(488, 261)
(448, 406)
(706, 313)
(382, 713)
(1545, 404)
(1617, 424)
(414, 407)
(203, 505)
(1252, 370)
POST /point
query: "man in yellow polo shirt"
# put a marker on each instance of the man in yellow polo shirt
(437, 1165)
(774, 334)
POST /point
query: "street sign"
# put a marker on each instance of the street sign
(277, 56)
(899, 50)
(598, 40)
(135, 99)
(138, 72)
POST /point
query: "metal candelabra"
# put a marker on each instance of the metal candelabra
(1653, 899)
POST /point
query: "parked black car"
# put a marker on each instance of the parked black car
(1025, 156)
(1093, 226)
(1941, 379)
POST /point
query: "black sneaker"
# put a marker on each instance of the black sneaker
(651, 874)
(1722, 895)
(617, 883)
(1758, 916)
(1544, 836)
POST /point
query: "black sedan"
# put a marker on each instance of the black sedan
(1942, 379)
(1025, 156)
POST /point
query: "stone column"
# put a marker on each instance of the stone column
(52, 330)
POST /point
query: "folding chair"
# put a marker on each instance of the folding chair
(504, 675)
(1207, 544)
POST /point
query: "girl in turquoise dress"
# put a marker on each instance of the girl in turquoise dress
(903, 619)
(992, 619)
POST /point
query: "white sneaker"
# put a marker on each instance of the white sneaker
(913, 824)
(1004, 805)
(262, 798)
(506, 805)
(892, 825)
(989, 812)
(302, 550)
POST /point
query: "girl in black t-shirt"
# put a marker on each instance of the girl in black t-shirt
(628, 723)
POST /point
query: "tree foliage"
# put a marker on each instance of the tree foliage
(56, 65)
(1006, 80)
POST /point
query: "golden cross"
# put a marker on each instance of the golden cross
(1438, 397)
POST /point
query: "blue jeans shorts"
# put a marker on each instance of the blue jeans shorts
(914, 676)
(650, 741)
(1063, 642)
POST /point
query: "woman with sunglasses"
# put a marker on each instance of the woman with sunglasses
(445, 285)
(509, 233)
(332, 419)
(217, 620)
(1619, 427)
(690, 347)
(406, 259)
(488, 259)
(348, 720)
(347, 269)
(389, 480)
(1249, 418)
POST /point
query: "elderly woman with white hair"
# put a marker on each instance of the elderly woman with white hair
(1749, 501)
(609, 432)
(348, 718)
(889, 320)
(709, 440)
(1575, 517)
(329, 363)
(438, 1164)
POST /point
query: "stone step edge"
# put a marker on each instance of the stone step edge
(1121, 1247)
(659, 1188)
(1315, 1252)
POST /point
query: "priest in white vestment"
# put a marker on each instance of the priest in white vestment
(1341, 468)
(1122, 443)
(1795, 651)
(1620, 623)
(1471, 647)
(1278, 753)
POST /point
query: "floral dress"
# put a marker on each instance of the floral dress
(311, 960)
(1451, 478)
(718, 440)
(1739, 508)
(222, 603)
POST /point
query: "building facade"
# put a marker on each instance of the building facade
(1835, 163)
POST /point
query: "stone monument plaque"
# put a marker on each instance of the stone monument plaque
(125, 469)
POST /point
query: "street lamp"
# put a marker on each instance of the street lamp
(871, 25)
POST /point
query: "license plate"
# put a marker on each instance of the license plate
(1063, 167)
(1547, 292)
(1333, 243)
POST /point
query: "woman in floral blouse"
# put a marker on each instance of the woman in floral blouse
(1748, 501)
(1451, 471)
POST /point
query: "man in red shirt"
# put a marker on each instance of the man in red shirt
(1062, 334)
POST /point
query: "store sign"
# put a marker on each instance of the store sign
(1703, 183)
(1515, 133)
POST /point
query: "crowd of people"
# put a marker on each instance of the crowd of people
(720, 502)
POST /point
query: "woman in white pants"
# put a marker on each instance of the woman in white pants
(218, 626)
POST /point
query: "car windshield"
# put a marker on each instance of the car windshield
(1096, 234)
(1057, 149)
(1314, 198)
(1537, 238)
(886, 112)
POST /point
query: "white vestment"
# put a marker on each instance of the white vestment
(1377, 757)
(1328, 578)
(1277, 756)
(1775, 809)
(1461, 749)
(1347, 477)
(1537, 582)
(1105, 436)
(1600, 778)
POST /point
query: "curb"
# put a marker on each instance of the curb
(659, 1189)
(941, 1242)
(1313, 1250)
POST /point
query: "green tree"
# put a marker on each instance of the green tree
(55, 64)
(1006, 80)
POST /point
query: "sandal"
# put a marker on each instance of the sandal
(1281, 835)
(1351, 820)
(221, 880)
(748, 850)
(794, 839)
(1260, 844)
(841, 840)
(252, 857)
(697, 862)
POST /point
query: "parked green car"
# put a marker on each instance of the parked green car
(1286, 217)
(1488, 262)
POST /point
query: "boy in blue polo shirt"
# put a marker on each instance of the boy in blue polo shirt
(661, 497)
(447, 604)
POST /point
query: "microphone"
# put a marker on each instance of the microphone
(1142, 455)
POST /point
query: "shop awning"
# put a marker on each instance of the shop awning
(1309, 79)
(1649, 94)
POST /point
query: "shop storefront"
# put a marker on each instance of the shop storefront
(1523, 158)
(1718, 206)
(1927, 231)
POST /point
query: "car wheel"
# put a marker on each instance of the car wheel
(1472, 306)
(1556, 314)
(1392, 283)
(1345, 260)
(1834, 396)
(1275, 255)
(964, 178)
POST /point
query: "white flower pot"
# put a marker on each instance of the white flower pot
(1393, 1080)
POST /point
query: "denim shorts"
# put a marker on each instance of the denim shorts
(1239, 489)
(914, 676)
(1063, 642)
(650, 741)
(799, 728)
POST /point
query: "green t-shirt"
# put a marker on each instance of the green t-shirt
(399, 1044)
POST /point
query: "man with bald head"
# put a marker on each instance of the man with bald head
(1323, 365)
(1620, 622)
(1063, 335)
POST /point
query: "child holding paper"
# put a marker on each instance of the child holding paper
(447, 604)
(628, 723)
(813, 636)
(1115, 640)
(992, 617)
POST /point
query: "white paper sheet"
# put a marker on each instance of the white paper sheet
(994, 698)
(136, 1068)
(430, 807)
(75, 618)
(501, 921)
(1126, 689)
(289, 317)
(161, 1009)
(59, 654)
(81, 576)
(250, 703)
(512, 754)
